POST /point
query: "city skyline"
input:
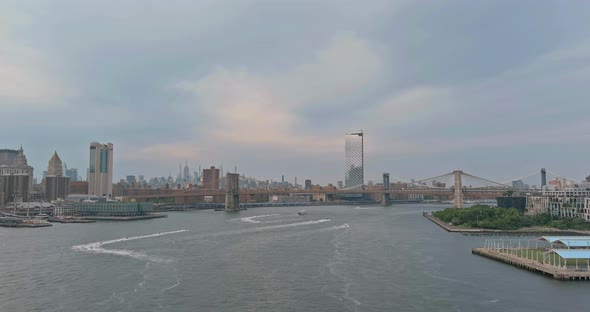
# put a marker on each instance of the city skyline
(432, 89)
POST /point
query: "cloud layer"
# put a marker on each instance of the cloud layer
(492, 88)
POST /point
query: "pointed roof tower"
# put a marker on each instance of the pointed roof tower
(55, 168)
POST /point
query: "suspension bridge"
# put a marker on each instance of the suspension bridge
(455, 186)
(458, 183)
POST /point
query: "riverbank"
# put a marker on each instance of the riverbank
(523, 231)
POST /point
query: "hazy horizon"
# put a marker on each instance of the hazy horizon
(497, 89)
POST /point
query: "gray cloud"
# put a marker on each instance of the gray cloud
(271, 87)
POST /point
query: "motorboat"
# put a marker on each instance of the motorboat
(302, 212)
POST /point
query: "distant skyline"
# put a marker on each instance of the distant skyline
(497, 89)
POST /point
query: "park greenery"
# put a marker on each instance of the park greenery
(486, 217)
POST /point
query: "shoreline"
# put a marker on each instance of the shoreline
(25, 225)
(523, 231)
(150, 216)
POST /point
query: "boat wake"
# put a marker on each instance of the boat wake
(252, 219)
(97, 247)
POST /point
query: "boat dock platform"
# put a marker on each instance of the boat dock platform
(556, 272)
(70, 220)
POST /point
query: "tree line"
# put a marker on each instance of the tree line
(486, 217)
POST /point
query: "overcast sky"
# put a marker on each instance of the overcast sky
(496, 88)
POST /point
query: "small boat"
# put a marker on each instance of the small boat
(302, 212)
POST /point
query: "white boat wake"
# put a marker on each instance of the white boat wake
(97, 248)
(252, 219)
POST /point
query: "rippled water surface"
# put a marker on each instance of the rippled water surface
(336, 258)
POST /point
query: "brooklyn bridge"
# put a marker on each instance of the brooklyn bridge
(456, 186)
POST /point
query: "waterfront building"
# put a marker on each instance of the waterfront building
(113, 209)
(558, 202)
(211, 178)
(14, 162)
(100, 173)
(307, 184)
(56, 185)
(64, 208)
(14, 188)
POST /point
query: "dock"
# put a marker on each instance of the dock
(130, 218)
(557, 272)
(74, 220)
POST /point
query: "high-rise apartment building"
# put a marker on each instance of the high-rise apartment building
(211, 178)
(100, 172)
(56, 185)
(354, 159)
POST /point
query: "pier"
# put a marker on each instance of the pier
(553, 259)
(533, 265)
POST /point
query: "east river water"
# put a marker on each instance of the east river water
(336, 258)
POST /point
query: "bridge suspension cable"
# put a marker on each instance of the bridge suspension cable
(490, 181)
(434, 178)
(561, 176)
(521, 178)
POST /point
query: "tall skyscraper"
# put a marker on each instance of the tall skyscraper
(14, 162)
(14, 188)
(186, 174)
(55, 168)
(56, 185)
(100, 173)
(211, 178)
(354, 160)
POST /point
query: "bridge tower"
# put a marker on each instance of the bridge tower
(385, 199)
(232, 194)
(543, 177)
(458, 189)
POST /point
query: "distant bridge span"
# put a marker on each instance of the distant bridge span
(477, 188)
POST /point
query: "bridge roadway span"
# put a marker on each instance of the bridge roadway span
(164, 193)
